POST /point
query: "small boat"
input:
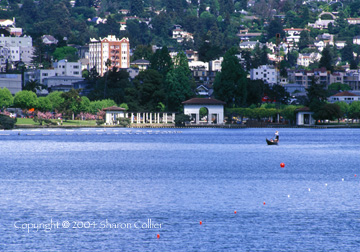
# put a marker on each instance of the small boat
(271, 142)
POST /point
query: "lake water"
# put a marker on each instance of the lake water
(117, 190)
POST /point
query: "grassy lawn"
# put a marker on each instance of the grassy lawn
(25, 121)
(29, 121)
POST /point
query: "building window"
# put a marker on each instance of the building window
(76, 72)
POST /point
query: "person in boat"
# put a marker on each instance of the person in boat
(276, 136)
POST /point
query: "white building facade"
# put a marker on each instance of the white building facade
(266, 73)
(215, 110)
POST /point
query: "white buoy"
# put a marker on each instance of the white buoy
(342, 179)
(309, 189)
(325, 184)
(288, 195)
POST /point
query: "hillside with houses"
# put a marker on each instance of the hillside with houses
(153, 55)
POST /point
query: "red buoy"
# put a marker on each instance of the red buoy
(235, 212)
(200, 222)
(264, 203)
(158, 236)
(282, 165)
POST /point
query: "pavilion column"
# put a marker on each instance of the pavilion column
(158, 114)
(165, 118)
(137, 117)
(132, 117)
(209, 119)
(173, 118)
(150, 118)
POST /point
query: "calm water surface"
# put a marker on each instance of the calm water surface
(100, 189)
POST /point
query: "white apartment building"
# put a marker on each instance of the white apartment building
(19, 48)
(112, 48)
(266, 73)
(60, 68)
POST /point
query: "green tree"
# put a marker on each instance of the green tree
(142, 52)
(66, 52)
(344, 108)
(326, 59)
(136, 7)
(278, 94)
(56, 100)
(161, 61)
(289, 113)
(6, 98)
(84, 104)
(95, 106)
(44, 104)
(337, 86)
(275, 27)
(230, 83)
(354, 110)
(255, 92)
(304, 40)
(151, 89)
(347, 53)
(179, 83)
(84, 3)
(330, 111)
(317, 96)
(256, 57)
(33, 85)
(71, 104)
(25, 99)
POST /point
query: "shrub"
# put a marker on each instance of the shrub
(100, 122)
(181, 119)
(6, 122)
(124, 122)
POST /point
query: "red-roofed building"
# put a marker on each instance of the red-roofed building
(345, 96)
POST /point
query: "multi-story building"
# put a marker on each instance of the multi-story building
(109, 48)
(352, 78)
(11, 82)
(19, 48)
(60, 68)
(4, 59)
(304, 78)
(267, 73)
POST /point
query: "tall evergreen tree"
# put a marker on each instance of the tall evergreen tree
(256, 57)
(304, 40)
(264, 55)
(230, 83)
(316, 95)
(179, 83)
(151, 90)
(326, 59)
(161, 61)
(347, 53)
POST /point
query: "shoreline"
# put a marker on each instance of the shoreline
(228, 126)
